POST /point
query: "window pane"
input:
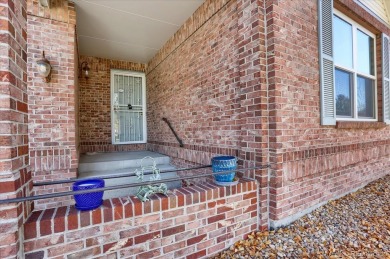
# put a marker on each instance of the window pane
(365, 53)
(343, 93)
(365, 95)
(342, 43)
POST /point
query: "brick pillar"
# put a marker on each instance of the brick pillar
(275, 100)
(52, 105)
(253, 97)
(15, 179)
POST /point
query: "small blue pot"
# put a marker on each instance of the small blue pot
(224, 163)
(88, 201)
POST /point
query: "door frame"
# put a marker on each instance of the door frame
(114, 72)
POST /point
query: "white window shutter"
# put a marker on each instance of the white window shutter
(386, 78)
(325, 39)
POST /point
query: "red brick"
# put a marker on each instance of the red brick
(6, 239)
(35, 255)
(64, 249)
(149, 254)
(108, 246)
(224, 237)
(146, 237)
(175, 246)
(216, 218)
(250, 195)
(9, 186)
(128, 208)
(46, 222)
(30, 227)
(196, 255)
(180, 200)
(85, 218)
(223, 209)
(216, 248)
(96, 216)
(173, 231)
(103, 239)
(147, 207)
(196, 239)
(118, 209)
(9, 213)
(43, 243)
(184, 252)
(164, 203)
(137, 206)
(73, 221)
(136, 231)
(82, 233)
(22, 107)
(161, 224)
(251, 208)
(172, 213)
(9, 250)
(86, 253)
(107, 211)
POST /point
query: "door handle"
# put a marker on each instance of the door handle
(129, 106)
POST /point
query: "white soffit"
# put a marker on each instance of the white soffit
(131, 30)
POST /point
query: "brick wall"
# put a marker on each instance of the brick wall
(191, 222)
(313, 163)
(207, 81)
(95, 105)
(52, 106)
(15, 178)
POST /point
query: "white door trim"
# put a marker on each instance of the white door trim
(128, 73)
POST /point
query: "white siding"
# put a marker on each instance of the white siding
(378, 7)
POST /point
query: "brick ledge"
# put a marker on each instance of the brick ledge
(360, 125)
(50, 221)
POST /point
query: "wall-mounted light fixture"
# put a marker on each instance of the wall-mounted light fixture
(44, 68)
(84, 70)
(45, 3)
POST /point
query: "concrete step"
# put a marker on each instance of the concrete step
(131, 179)
(119, 160)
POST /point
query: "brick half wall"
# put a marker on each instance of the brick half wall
(191, 222)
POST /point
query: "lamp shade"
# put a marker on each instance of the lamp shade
(44, 67)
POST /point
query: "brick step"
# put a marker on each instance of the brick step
(119, 160)
(131, 179)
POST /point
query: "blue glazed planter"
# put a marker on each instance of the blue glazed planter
(88, 201)
(224, 163)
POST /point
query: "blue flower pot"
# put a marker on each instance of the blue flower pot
(224, 163)
(88, 201)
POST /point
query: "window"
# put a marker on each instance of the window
(354, 70)
(348, 77)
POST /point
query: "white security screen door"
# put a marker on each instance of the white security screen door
(128, 114)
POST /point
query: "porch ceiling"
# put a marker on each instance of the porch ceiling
(131, 30)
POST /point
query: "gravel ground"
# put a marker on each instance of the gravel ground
(354, 226)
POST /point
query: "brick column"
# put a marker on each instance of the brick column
(15, 179)
(52, 105)
(250, 41)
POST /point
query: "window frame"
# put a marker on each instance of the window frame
(354, 71)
